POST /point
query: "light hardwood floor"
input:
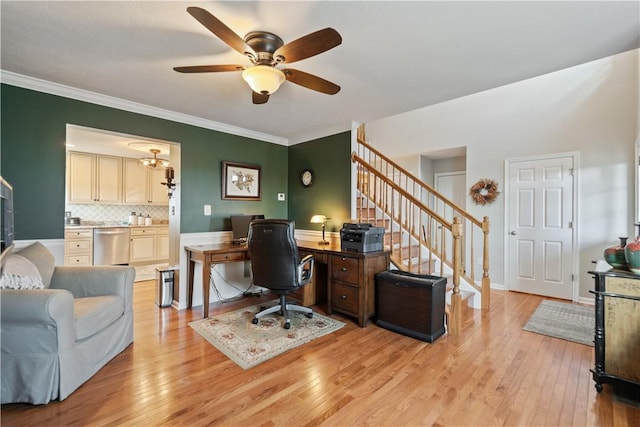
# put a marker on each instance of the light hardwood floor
(493, 373)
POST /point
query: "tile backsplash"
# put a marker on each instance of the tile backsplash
(116, 213)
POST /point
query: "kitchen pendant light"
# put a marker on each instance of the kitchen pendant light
(154, 162)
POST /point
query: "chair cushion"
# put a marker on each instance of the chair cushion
(20, 273)
(38, 254)
(93, 314)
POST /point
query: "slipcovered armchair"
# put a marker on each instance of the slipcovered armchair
(276, 264)
(60, 332)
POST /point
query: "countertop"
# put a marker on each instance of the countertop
(114, 225)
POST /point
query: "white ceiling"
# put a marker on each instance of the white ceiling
(395, 56)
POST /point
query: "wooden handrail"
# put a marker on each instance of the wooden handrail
(427, 187)
(393, 190)
(357, 159)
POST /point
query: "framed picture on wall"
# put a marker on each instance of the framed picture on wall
(241, 181)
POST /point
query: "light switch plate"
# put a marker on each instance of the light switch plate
(281, 197)
(207, 210)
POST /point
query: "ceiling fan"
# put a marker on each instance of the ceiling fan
(265, 51)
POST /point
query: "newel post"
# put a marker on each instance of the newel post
(486, 283)
(455, 324)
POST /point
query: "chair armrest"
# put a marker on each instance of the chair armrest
(36, 321)
(305, 269)
(92, 281)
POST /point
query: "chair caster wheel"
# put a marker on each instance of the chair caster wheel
(287, 325)
(254, 320)
(309, 315)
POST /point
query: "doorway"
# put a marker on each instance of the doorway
(131, 148)
(540, 218)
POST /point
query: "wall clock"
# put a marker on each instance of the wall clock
(306, 177)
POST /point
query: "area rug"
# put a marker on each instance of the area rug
(567, 321)
(147, 272)
(249, 345)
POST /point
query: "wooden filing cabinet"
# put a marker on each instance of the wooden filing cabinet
(352, 283)
(78, 246)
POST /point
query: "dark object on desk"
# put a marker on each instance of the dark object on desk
(361, 237)
(276, 265)
(411, 304)
(240, 227)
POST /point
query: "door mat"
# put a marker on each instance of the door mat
(562, 320)
(249, 345)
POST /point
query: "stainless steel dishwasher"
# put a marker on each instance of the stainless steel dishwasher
(111, 246)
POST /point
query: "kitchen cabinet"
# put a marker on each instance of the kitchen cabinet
(162, 246)
(143, 186)
(149, 244)
(78, 246)
(143, 244)
(94, 178)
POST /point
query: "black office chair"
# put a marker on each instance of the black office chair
(276, 265)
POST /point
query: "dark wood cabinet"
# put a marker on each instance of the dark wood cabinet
(352, 278)
(617, 332)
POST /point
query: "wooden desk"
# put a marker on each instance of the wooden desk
(350, 281)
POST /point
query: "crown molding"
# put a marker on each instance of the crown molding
(45, 86)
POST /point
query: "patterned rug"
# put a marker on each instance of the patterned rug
(249, 345)
(567, 321)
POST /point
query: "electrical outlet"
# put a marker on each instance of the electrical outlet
(281, 197)
(207, 210)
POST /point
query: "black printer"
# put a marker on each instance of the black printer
(362, 237)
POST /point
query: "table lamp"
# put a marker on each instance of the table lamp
(321, 219)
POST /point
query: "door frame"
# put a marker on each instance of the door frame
(575, 261)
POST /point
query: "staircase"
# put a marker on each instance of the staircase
(425, 232)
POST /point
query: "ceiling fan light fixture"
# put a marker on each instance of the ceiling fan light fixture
(263, 79)
(154, 162)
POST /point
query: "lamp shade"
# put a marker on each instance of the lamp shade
(263, 79)
(318, 219)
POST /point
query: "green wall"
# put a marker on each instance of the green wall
(32, 159)
(330, 193)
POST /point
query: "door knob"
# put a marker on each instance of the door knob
(513, 232)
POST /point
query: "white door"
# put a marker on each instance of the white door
(451, 185)
(540, 223)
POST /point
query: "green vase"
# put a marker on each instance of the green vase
(632, 256)
(615, 255)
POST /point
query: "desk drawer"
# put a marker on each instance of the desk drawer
(344, 297)
(344, 268)
(228, 257)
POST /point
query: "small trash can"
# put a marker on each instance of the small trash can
(164, 287)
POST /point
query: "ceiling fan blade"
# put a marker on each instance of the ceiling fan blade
(208, 68)
(259, 98)
(309, 45)
(311, 82)
(223, 32)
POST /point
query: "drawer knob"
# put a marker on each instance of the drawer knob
(343, 297)
(344, 268)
